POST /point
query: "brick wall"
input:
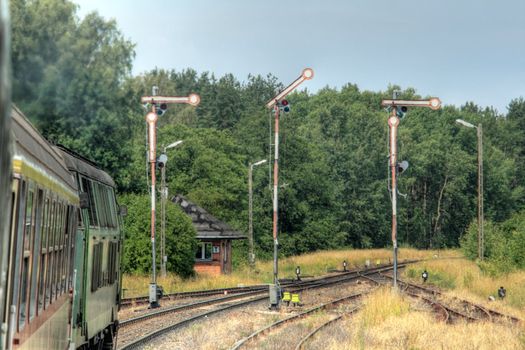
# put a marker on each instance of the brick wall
(208, 269)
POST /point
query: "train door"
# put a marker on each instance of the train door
(12, 267)
(4, 291)
(77, 315)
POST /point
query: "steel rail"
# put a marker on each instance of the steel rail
(274, 325)
(485, 312)
(438, 307)
(198, 293)
(319, 283)
(154, 334)
(303, 341)
(178, 308)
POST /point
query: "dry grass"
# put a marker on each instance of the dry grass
(464, 279)
(217, 332)
(315, 264)
(383, 304)
(386, 323)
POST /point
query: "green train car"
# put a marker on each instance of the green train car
(63, 281)
(97, 262)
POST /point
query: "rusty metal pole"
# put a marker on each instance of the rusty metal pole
(151, 119)
(481, 237)
(393, 123)
(251, 258)
(163, 198)
(275, 196)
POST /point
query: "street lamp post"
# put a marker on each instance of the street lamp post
(481, 238)
(275, 103)
(251, 257)
(398, 108)
(151, 119)
(163, 199)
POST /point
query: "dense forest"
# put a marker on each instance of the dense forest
(72, 78)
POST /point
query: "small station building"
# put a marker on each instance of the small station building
(214, 253)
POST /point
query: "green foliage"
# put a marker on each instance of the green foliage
(181, 243)
(504, 244)
(72, 77)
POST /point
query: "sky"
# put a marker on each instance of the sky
(457, 50)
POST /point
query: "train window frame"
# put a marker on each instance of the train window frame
(87, 186)
(17, 224)
(101, 204)
(50, 254)
(25, 264)
(59, 251)
(96, 267)
(43, 256)
(113, 207)
(73, 224)
(35, 254)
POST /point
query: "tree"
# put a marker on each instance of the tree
(181, 243)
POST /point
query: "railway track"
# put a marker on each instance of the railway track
(302, 343)
(243, 342)
(128, 302)
(457, 309)
(328, 305)
(187, 319)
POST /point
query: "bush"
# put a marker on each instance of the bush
(504, 244)
(181, 243)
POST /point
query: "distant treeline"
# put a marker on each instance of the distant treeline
(72, 77)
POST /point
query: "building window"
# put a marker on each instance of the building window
(204, 250)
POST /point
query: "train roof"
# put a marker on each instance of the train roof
(35, 157)
(76, 162)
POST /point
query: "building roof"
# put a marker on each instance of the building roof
(207, 226)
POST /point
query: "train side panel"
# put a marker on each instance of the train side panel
(97, 317)
(43, 205)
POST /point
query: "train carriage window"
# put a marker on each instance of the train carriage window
(112, 207)
(59, 245)
(64, 250)
(50, 253)
(24, 276)
(35, 253)
(96, 272)
(54, 253)
(107, 207)
(87, 186)
(43, 255)
(100, 209)
(71, 246)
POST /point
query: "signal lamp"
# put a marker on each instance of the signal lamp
(285, 106)
(402, 167)
(161, 108)
(161, 160)
(401, 111)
